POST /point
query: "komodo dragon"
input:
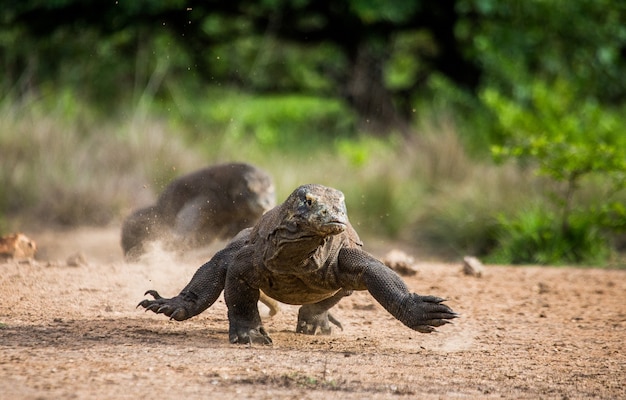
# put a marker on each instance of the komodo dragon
(194, 209)
(215, 202)
(303, 252)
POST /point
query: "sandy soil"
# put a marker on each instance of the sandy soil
(525, 333)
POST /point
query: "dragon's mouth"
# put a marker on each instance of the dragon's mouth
(336, 223)
(335, 226)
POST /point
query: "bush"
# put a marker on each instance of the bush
(569, 140)
(535, 236)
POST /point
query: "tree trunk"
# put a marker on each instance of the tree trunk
(367, 94)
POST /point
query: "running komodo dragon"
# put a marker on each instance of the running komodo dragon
(213, 202)
(302, 252)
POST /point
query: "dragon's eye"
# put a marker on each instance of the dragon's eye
(309, 199)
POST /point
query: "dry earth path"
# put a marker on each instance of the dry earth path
(73, 332)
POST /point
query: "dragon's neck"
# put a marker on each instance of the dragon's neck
(289, 252)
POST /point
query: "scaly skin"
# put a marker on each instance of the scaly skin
(304, 252)
(194, 209)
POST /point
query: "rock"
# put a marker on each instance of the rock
(76, 260)
(400, 262)
(542, 288)
(472, 266)
(17, 246)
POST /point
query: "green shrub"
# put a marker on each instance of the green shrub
(535, 236)
(574, 142)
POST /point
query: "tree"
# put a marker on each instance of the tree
(571, 141)
(358, 45)
(363, 32)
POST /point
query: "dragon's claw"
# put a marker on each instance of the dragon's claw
(175, 308)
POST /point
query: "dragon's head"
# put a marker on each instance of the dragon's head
(317, 209)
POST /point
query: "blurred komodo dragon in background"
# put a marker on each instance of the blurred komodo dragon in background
(212, 203)
(303, 252)
(193, 210)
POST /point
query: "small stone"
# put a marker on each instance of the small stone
(76, 260)
(542, 288)
(473, 267)
(17, 246)
(400, 262)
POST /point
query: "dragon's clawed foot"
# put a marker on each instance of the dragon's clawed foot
(249, 335)
(425, 313)
(311, 322)
(175, 308)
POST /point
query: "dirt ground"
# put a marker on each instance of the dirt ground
(72, 331)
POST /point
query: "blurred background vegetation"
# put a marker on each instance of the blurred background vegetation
(481, 127)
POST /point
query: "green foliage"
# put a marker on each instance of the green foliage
(278, 122)
(569, 139)
(578, 41)
(371, 11)
(361, 151)
(261, 63)
(567, 136)
(534, 236)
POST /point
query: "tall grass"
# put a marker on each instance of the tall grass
(63, 162)
(63, 165)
